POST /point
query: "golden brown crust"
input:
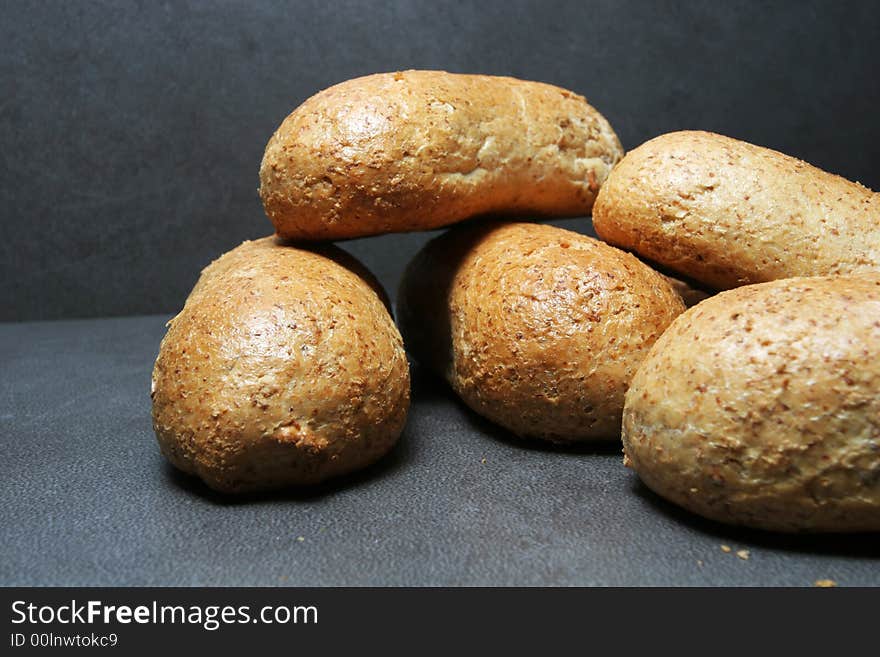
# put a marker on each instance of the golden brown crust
(537, 328)
(728, 213)
(416, 150)
(761, 407)
(283, 368)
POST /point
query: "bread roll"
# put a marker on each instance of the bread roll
(283, 368)
(727, 213)
(761, 407)
(422, 149)
(537, 328)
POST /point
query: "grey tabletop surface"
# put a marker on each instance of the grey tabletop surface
(86, 498)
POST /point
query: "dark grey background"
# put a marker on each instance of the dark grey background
(131, 133)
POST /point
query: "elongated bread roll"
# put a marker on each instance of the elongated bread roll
(421, 149)
(537, 328)
(761, 407)
(727, 213)
(283, 368)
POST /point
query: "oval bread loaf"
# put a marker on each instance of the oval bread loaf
(761, 407)
(728, 213)
(416, 150)
(283, 368)
(537, 328)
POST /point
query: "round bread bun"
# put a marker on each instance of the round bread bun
(416, 150)
(727, 213)
(283, 368)
(537, 328)
(761, 407)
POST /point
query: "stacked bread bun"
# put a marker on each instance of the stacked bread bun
(422, 149)
(761, 406)
(757, 406)
(284, 366)
(537, 328)
(727, 213)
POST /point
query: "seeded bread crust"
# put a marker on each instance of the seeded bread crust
(283, 368)
(761, 407)
(727, 213)
(416, 150)
(537, 328)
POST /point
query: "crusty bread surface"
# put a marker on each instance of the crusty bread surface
(283, 368)
(727, 213)
(537, 328)
(761, 407)
(416, 150)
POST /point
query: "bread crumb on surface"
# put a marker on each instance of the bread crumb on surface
(300, 539)
(825, 583)
(743, 554)
(725, 548)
